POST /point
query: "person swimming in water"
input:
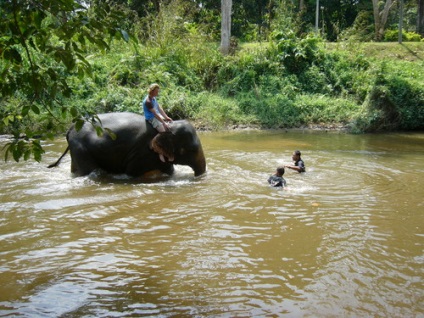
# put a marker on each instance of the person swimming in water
(277, 180)
(298, 165)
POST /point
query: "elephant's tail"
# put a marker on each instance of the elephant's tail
(58, 160)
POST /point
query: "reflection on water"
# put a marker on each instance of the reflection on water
(344, 239)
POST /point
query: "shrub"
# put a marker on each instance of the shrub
(243, 72)
(393, 36)
(346, 75)
(175, 101)
(392, 103)
(276, 111)
(323, 109)
(297, 54)
(362, 29)
(215, 111)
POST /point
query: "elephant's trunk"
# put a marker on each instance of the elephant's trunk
(199, 165)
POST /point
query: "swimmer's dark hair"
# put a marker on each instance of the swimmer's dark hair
(297, 152)
(280, 170)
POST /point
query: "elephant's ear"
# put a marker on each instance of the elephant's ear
(163, 144)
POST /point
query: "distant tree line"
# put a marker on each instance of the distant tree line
(337, 19)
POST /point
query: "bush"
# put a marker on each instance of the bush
(175, 101)
(297, 54)
(393, 103)
(243, 72)
(216, 112)
(393, 36)
(275, 111)
(346, 75)
(362, 29)
(323, 109)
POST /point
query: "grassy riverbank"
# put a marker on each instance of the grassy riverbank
(359, 87)
(355, 86)
(290, 83)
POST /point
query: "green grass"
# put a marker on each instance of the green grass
(406, 51)
(393, 51)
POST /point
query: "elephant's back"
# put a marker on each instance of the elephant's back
(122, 121)
(123, 125)
(120, 130)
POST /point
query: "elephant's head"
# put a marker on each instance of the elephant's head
(181, 146)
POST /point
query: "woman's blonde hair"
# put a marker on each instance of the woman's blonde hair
(153, 87)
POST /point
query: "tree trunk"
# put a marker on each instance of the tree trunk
(420, 18)
(225, 25)
(380, 18)
(400, 21)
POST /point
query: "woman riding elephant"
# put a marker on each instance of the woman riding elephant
(153, 112)
(156, 116)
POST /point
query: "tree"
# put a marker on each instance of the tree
(400, 26)
(41, 43)
(380, 17)
(225, 25)
(420, 19)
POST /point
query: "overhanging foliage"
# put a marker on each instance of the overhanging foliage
(41, 43)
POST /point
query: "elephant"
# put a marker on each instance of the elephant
(134, 147)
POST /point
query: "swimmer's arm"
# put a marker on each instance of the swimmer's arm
(298, 169)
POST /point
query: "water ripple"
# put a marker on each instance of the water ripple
(343, 239)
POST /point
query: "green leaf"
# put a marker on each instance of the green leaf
(53, 91)
(35, 109)
(37, 150)
(52, 73)
(125, 35)
(6, 120)
(74, 112)
(27, 154)
(99, 131)
(78, 124)
(111, 133)
(12, 55)
(16, 153)
(7, 147)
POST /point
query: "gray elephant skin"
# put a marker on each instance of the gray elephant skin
(137, 148)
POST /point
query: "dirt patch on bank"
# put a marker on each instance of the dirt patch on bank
(318, 127)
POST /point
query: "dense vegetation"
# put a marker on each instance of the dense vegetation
(286, 81)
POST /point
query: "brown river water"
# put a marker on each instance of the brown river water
(344, 239)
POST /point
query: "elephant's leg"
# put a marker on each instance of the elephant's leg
(168, 170)
(82, 163)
